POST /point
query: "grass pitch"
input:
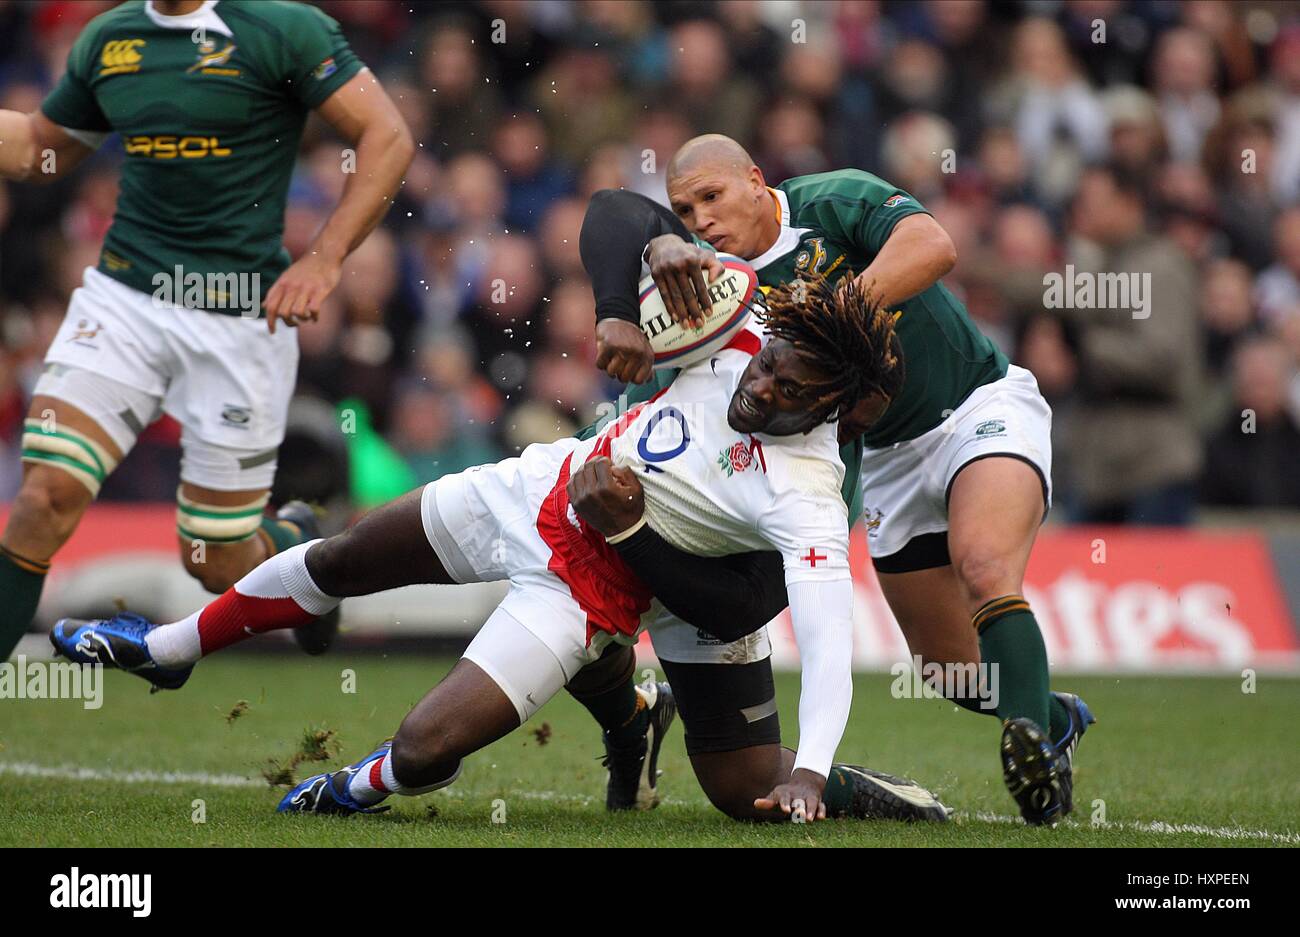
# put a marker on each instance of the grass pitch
(1176, 761)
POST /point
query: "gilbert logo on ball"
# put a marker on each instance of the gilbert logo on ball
(677, 345)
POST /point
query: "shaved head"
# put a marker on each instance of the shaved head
(712, 151)
(719, 194)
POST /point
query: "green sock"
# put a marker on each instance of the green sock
(1011, 640)
(282, 534)
(838, 795)
(20, 584)
(972, 704)
(620, 711)
(1060, 717)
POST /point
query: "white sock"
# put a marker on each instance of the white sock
(375, 780)
(176, 645)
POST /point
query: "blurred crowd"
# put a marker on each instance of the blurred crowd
(1167, 143)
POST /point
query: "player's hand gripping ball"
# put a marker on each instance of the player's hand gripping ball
(676, 340)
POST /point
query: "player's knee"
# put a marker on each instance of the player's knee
(613, 669)
(219, 542)
(334, 566)
(987, 577)
(425, 751)
(733, 780)
(216, 567)
(51, 501)
(735, 798)
(736, 807)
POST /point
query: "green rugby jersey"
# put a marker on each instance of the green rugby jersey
(210, 107)
(836, 222)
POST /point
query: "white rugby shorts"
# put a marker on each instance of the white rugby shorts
(225, 379)
(905, 487)
(489, 524)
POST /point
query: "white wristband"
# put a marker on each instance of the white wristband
(623, 535)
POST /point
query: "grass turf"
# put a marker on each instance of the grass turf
(1181, 751)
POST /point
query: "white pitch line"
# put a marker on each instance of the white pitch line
(1157, 826)
(28, 769)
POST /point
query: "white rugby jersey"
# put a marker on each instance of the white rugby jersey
(710, 490)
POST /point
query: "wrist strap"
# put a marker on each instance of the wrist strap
(623, 535)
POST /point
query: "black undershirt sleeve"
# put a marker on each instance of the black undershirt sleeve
(725, 596)
(615, 231)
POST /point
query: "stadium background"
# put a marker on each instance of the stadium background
(1199, 564)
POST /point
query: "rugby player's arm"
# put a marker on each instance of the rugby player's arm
(812, 534)
(616, 230)
(917, 254)
(728, 597)
(821, 610)
(25, 142)
(365, 116)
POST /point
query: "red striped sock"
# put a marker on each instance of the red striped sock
(375, 781)
(234, 617)
(277, 594)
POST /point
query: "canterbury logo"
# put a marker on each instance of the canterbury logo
(171, 146)
(120, 56)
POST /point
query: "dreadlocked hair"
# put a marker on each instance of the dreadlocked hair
(843, 332)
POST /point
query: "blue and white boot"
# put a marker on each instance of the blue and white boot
(328, 793)
(1080, 718)
(117, 642)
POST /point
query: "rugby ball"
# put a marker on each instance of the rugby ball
(677, 345)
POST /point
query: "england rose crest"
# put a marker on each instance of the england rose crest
(739, 457)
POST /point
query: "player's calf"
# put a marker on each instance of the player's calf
(426, 754)
(279, 593)
(218, 566)
(633, 720)
(386, 549)
(462, 714)
(223, 535)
